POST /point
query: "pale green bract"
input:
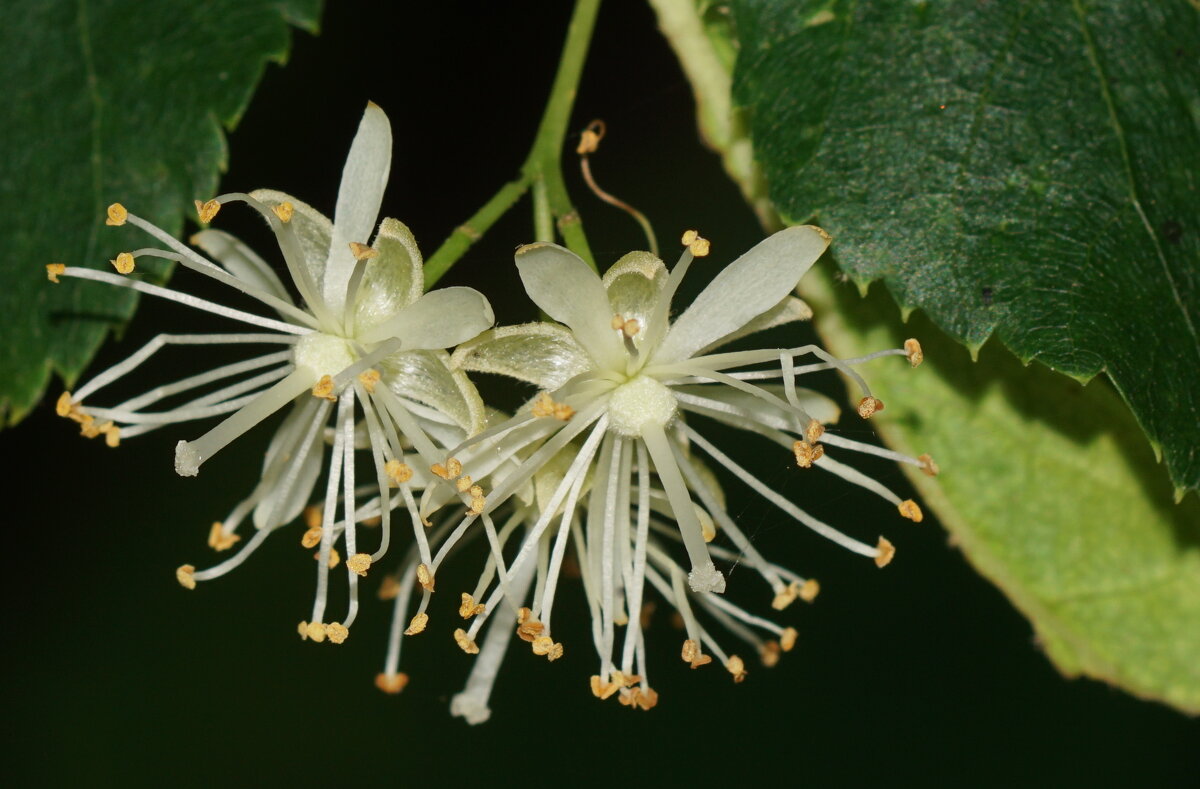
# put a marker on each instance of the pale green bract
(359, 359)
(607, 454)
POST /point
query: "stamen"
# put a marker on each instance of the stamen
(337, 632)
(185, 574)
(417, 624)
(425, 577)
(53, 270)
(885, 553)
(788, 639)
(369, 379)
(359, 563)
(909, 509)
(207, 211)
(123, 263)
(464, 643)
(316, 631)
(929, 467)
(284, 211)
(324, 389)
(469, 607)
(698, 246)
(736, 667)
(116, 215)
(869, 406)
(219, 539)
(391, 683)
(806, 453)
(312, 537)
(692, 655)
(912, 350)
(362, 251)
(399, 473)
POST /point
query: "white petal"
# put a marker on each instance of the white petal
(569, 291)
(789, 310)
(361, 193)
(426, 376)
(393, 279)
(634, 284)
(439, 319)
(241, 261)
(545, 354)
(746, 288)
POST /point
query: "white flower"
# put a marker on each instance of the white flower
(362, 346)
(619, 383)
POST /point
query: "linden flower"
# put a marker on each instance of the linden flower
(619, 379)
(360, 360)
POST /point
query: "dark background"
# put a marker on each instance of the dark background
(921, 673)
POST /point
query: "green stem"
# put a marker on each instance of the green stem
(472, 230)
(543, 166)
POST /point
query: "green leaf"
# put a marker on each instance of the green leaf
(1051, 492)
(110, 102)
(1046, 485)
(1024, 169)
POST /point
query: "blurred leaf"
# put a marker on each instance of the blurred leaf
(110, 101)
(1025, 169)
(1047, 486)
(1050, 491)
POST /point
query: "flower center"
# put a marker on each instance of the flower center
(323, 354)
(640, 401)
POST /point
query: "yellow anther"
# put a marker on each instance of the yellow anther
(691, 654)
(523, 613)
(207, 211)
(736, 667)
(88, 427)
(312, 537)
(809, 590)
(928, 467)
(463, 484)
(547, 646)
(454, 467)
(337, 632)
(185, 574)
(302, 629)
(425, 577)
(625, 680)
(785, 598)
(362, 251)
(563, 412)
(64, 406)
(284, 211)
(620, 618)
(912, 350)
(695, 243)
(112, 434)
(389, 588)
(884, 552)
(645, 698)
(369, 379)
(868, 406)
(464, 643)
(545, 405)
(123, 263)
(787, 639)
(313, 517)
(469, 607)
(417, 624)
(807, 454)
(814, 431)
(631, 328)
(335, 558)
(529, 629)
(116, 215)
(391, 683)
(478, 504)
(316, 631)
(398, 472)
(602, 689)
(617, 323)
(359, 563)
(769, 653)
(909, 509)
(53, 270)
(708, 529)
(475, 491)
(324, 388)
(219, 540)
